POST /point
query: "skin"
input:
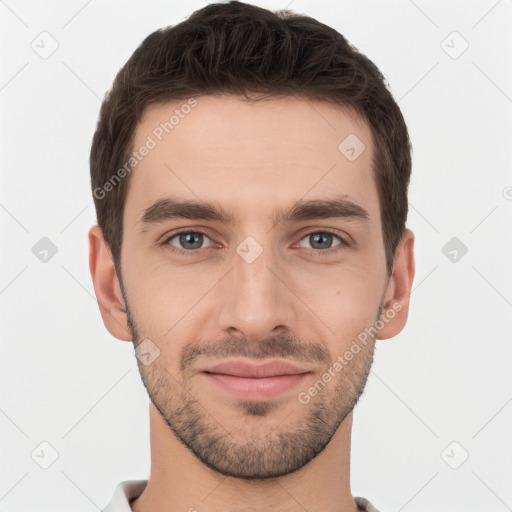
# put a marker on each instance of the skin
(297, 301)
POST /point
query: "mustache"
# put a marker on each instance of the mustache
(289, 347)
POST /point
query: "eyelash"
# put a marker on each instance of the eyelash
(343, 243)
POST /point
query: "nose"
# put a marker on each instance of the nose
(255, 299)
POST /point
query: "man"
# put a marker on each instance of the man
(250, 173)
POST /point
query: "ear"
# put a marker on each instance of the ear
(106, 286)
(396, 299)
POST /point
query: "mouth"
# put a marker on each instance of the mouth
(249, 381)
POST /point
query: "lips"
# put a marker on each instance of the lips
(250, 381)
(242, 368)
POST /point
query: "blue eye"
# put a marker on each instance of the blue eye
(190, 242)
(322, 240)
(187, 240)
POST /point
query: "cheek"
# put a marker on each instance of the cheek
(346, 303)
(168, 298)
(164, 298)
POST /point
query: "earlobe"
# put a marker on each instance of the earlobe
(396, 303)
(106, 286)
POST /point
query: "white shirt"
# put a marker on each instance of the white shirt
(130, 489)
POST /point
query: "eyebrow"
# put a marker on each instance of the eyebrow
(171, 208)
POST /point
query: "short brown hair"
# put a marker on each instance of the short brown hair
(241, 49)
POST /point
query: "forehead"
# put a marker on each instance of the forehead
(250, 154)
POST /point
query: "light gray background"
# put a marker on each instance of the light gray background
(67, 382)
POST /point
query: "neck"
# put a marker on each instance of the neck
(179, 481)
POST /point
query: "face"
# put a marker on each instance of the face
(251, 238)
